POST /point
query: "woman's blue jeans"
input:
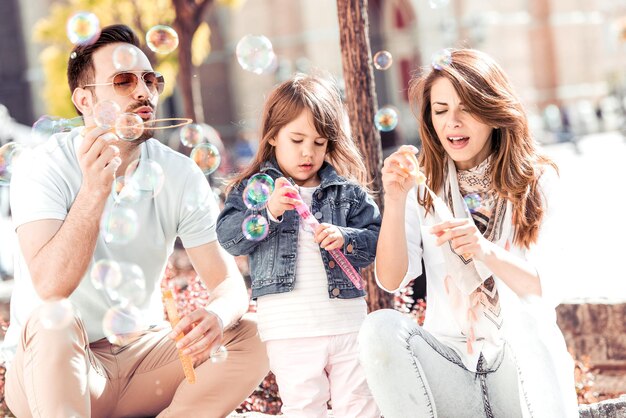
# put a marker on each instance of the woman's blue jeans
(411, 374)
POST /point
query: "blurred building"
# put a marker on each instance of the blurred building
(556, 52)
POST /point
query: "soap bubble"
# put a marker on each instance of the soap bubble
(83, 28)
(207, 157)
(383, 60)
(386, 119)
(8, 153)
(119, 225)
(162, 39)
(129, 126)
(121, 324)
(124, 57)
(441, 59)
(220, 355)
(105, 113)
(191, 135)
(56, 314)
(255, 227)
(145, 175)
(255, 53)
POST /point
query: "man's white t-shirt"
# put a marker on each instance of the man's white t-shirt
(45, 183)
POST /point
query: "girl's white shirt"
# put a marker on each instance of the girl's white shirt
(307, 311)
(545, 368)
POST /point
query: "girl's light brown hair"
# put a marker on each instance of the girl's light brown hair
(487, 94)
(321, 97)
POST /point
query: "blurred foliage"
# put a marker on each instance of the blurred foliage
(139, 15)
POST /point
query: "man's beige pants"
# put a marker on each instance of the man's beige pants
(58, 374)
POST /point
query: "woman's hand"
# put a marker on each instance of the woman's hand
(329, 237)
(464, 238)
(398, 172)
(280, 201)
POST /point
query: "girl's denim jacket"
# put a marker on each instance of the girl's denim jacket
(273, 260)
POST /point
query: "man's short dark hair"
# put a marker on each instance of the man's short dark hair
(80, 69)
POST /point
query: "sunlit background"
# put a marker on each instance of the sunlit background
(566, 59)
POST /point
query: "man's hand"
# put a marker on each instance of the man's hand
(203, 335)
(99, 159)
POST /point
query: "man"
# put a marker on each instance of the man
(58, 196)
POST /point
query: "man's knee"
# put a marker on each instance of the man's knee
(55, 324)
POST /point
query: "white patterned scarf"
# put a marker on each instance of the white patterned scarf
(472, 289)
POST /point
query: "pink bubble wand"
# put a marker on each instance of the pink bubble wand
(340, 258)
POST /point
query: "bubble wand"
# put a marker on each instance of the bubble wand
(172, 315)
(340, 258)
(440, 206)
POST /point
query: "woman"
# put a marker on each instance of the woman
(490, 345)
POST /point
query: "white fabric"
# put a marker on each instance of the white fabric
(308, 311)
(45, 184)
(310, 371)
(546, 368)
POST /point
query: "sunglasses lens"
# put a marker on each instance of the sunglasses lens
(125, 83)
(154, 81)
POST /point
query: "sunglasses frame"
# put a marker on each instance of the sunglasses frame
(135, 73)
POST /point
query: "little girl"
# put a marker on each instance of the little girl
(309, 312)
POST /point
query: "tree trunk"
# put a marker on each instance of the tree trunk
(189, 15)
(361, 102)
(185, 70)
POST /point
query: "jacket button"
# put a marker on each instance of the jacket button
(318, 215)
(350, 247)
(331, 264)
(336, 292)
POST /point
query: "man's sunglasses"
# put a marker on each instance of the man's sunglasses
(124, 84)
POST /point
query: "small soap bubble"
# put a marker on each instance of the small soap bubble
(386, 119)
(258, 191)
(255, 53)
(121, 323)
(131, 289)
(56, 314)
(129, 126)
(220, 355)
(45, 127)
(162, 39)
(145, 175)
(207, 157)
(119, 225)
(383, 60)
(125, 192)
(83, 28)
(191, 135)
(124, 57)
(105, 113)
(8, 154)
(105, 274)
(441, 59)
(255, 227)
(473, 201)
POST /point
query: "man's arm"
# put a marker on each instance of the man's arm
(58, 252)
(228, 301)
(228, 297)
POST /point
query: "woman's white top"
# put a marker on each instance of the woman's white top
(545, 368)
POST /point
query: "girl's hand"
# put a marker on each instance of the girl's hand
(397, 172)
(464, 238)
(279, 202)
(329, 237)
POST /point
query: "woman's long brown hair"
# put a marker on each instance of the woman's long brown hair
(321, 97)
(487, 94)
